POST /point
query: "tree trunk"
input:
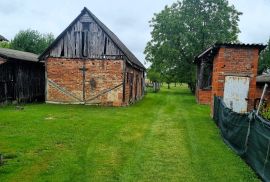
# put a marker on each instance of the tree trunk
(192, 87)
(169, 86)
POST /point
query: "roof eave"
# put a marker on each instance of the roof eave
(216, 46)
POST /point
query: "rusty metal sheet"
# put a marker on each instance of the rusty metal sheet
(236, 93)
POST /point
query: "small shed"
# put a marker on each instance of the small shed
(2, 38)
(88, 64)
(21, 77)
(229, 71)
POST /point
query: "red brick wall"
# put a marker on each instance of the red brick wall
(101, 76)
(203, 96)
(131, 86)
(235, 62)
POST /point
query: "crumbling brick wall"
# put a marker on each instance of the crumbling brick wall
(103, 83)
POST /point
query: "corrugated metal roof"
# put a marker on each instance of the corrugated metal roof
(263, 78)
(20, 55)
(212, 51)
(131, 57)
(2, 38)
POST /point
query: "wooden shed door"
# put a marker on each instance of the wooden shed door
(236, 93)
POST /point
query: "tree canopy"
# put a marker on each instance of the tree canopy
(184, 29)
(152, 75)
(264, 62)
(31, 41)
(5, 44)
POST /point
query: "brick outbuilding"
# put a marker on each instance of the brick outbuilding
(88, 64)
(228, 71)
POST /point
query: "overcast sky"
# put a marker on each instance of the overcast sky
(128, 19)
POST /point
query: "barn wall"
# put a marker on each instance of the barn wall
(235, 62)
(84, 39)
(22, 81)
(6, 81)
(103, 81)
(132, 92)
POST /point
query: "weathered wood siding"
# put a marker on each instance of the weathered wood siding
(21, 81)
(85, 39)
(134, 85)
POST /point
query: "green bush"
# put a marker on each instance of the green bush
(265, 112)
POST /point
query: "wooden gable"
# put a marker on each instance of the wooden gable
(84, 39)
(88, 37)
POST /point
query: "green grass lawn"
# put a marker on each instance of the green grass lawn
(164, 137)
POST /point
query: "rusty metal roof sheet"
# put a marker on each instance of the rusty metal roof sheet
(265, 78)
(20, 55)
(212, 51)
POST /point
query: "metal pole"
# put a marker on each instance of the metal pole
(260, 104)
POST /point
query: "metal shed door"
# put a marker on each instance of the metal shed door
(236, 93)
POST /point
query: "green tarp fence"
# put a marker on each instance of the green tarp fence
(247, 134)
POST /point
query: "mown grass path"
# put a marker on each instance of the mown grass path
(165, 137)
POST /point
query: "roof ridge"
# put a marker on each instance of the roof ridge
(109, 33)
(126, 51)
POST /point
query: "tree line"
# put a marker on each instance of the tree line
(183, 30)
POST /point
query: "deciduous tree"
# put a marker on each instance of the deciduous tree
(264, 62)
(31, 41)
(5, 44)
(186, 28)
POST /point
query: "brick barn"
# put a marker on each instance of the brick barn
(88, 64)
(229, 71)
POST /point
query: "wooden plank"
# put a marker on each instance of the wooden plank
(94, 42)
(86, 18)
(65, 45)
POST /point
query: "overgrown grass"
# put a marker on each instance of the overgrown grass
(165, 137)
